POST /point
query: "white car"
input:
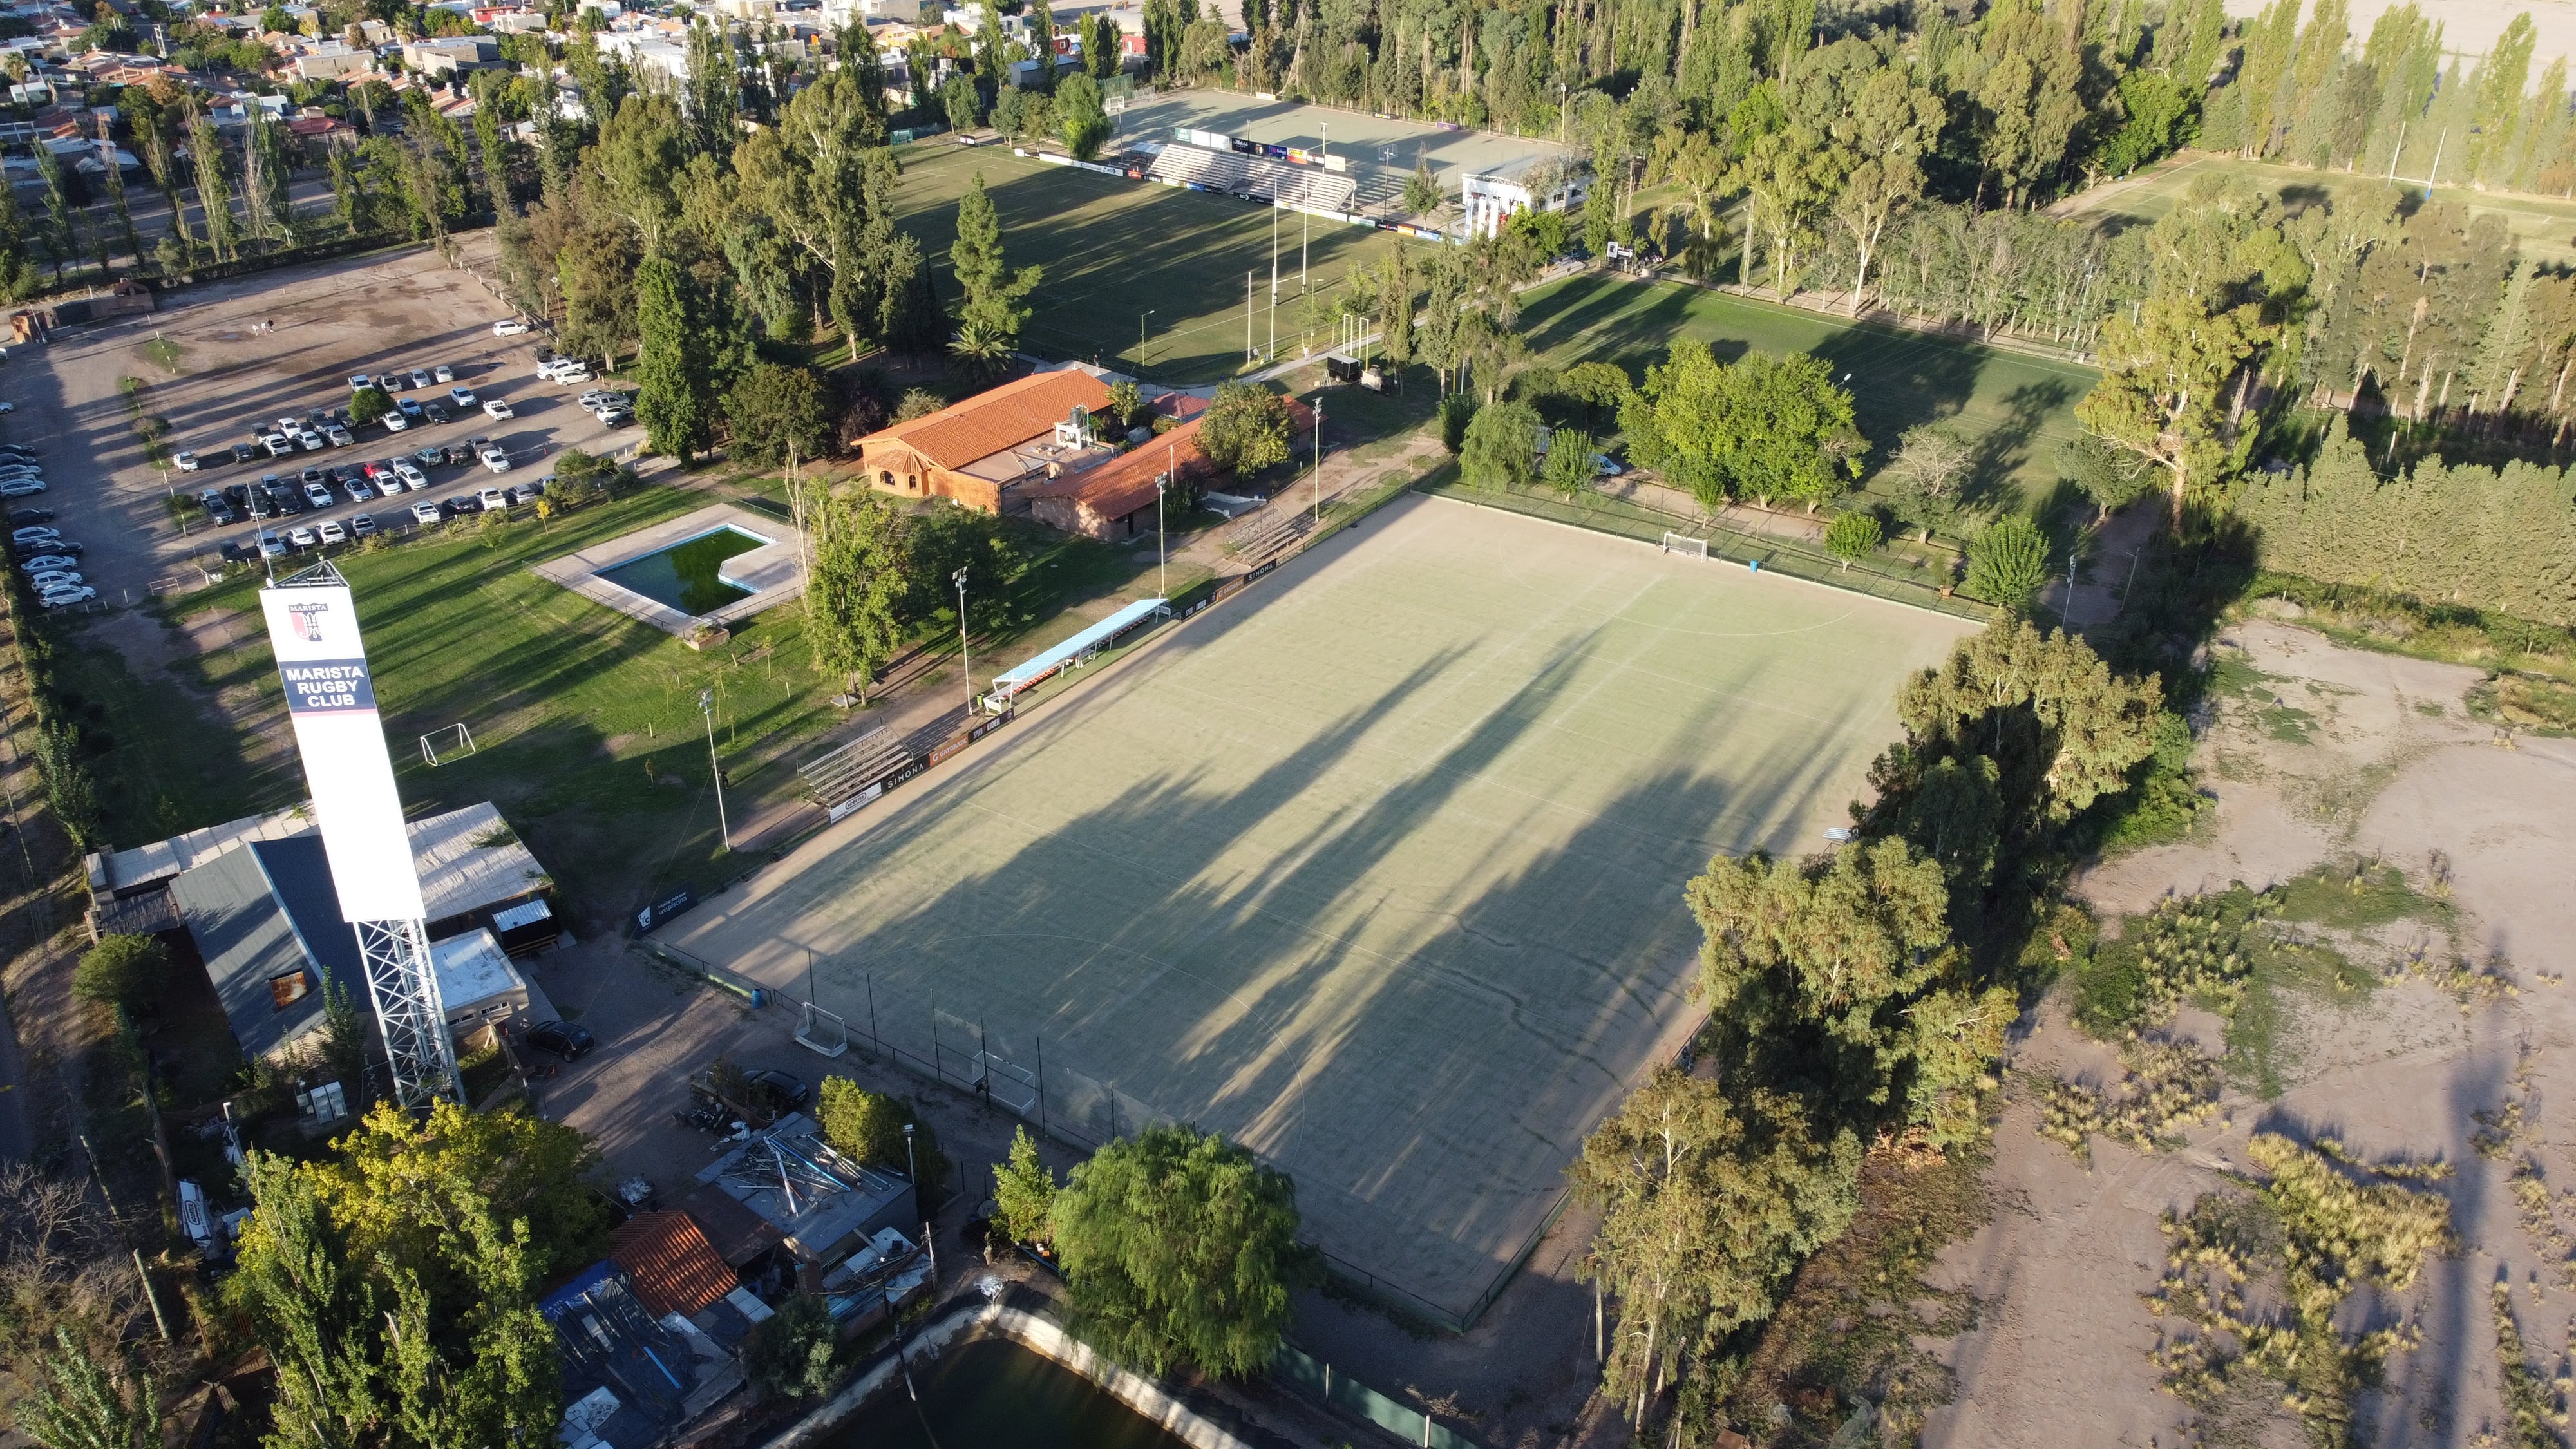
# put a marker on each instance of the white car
(426, 512)
(34, 533)
(340, 437)
(419, 379)
(301, 537)
(309, 440)
(187, 462)
(360, 382)
(66, 596)
(508, 327)
(277, 444)
(21, 487)
(52, 563)
(270, 545)
(497, 459)
(395, 422)
(362, 525)
(332, 532)
(52, 579)
(443, 373)
(493, 407)
(410, 474)
(491, 500)
(590, 401)
(461, 397)
(578, 372)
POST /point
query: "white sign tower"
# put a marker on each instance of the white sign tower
(331, 700)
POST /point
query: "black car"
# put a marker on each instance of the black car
(311, 476)
(238, 494)
(564, 1039)
(262, 505)
(51, 546)
(459, 507)
(775, 1092)
(286, 500)
(458, 455)
(244, 452)
(219, 509)
(437, 413)
(25, 517)
(17, 453)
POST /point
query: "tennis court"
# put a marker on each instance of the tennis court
(1376, 868)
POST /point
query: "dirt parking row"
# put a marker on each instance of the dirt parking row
(220, 361)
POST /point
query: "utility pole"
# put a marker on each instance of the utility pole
(1247, 319)
(707, 707)
(964, 661)
(1319, 458)
(1274, 281)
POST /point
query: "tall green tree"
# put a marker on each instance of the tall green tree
(855, 585)
(80, 1402)
(775, 412)
(990, 293)
(1024, 1190)
(1179, 1250)
(675, 361)
(1079, 117)
(1245, 428)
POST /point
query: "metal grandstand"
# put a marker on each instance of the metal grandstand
(1254, 176)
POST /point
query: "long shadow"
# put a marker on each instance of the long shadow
(1261, 950)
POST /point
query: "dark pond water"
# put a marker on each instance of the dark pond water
(993, 1393)
(684, 575)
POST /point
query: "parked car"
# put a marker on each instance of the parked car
(339, 437)
(419, 379)
(426, 512)
(21, 488)
(491, 500)
(48, 562)
(362, 525)
(187, 462)
(32, 533)
(615, 417)
(259, 505)
(409, 472)
(436, 413)
(443, 373)
(494, 408)
(431, 456)
(775, 1092)
(21, 517)
(331, 531)
(395, 422)
(302, 537)
(218, 509)
(52, 579)
(522, 493)
(459, 507)
(495, 457)
(244, 452)
(562, 1038)
(461, 397)
(410, 407)
(278, 444)
(309, 440)
(318, 495)
(66, 596)
(509, 327)
(270, 545)
(358, 489)
(458, 454)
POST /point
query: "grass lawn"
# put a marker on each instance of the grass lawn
(587, 722)
(2016, 408)
(2544, 228)
(1114, 249)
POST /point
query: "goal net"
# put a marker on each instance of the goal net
(1684, 543)
(822, 1032)
(454, 740)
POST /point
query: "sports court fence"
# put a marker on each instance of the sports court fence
(1604, 514)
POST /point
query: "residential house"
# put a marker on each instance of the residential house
(980, 452)
(450, 54)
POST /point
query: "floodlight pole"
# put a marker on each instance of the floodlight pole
(1319, 458)
(965, 660)
(1140, 333)
(1160, 586)
(707, 707)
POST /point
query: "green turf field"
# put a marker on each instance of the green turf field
(1377, 868)
(2545, 229)
(1113, 249)
(2017, 407)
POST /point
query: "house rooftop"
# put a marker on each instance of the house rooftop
(996, 420)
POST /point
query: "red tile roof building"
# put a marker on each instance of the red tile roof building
(673, 1267)
(980, 451)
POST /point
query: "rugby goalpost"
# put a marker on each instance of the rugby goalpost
(1683, 543)
(457, 739)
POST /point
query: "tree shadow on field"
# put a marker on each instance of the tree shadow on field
(1605, 318)
(2002, 450)
(1324, 960)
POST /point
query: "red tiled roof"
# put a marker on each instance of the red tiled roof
(674, 1268)
(1125, 483)
(990, 421)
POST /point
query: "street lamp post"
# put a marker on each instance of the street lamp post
(707, 707)
(965, 660)
(1161, 587)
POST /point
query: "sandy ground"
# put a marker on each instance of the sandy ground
(2390, 765)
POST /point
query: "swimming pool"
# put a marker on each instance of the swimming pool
(684, 576)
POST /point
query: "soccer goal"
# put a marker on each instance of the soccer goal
(821, 1032)
(456, 740)
(1684, 543)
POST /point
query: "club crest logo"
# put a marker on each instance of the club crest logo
(308, 620)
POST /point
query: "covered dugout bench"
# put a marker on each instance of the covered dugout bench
(1073, 653)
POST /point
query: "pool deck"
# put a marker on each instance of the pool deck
(769, 571)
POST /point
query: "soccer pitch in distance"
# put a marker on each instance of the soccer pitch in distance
(1115, 250)
(1377, 868)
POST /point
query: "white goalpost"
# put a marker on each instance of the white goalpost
(1685, 544)
(455, 739)
(821, 1032)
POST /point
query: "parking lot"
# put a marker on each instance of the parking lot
(225, 363)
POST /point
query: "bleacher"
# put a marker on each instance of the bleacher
(1307, 186)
